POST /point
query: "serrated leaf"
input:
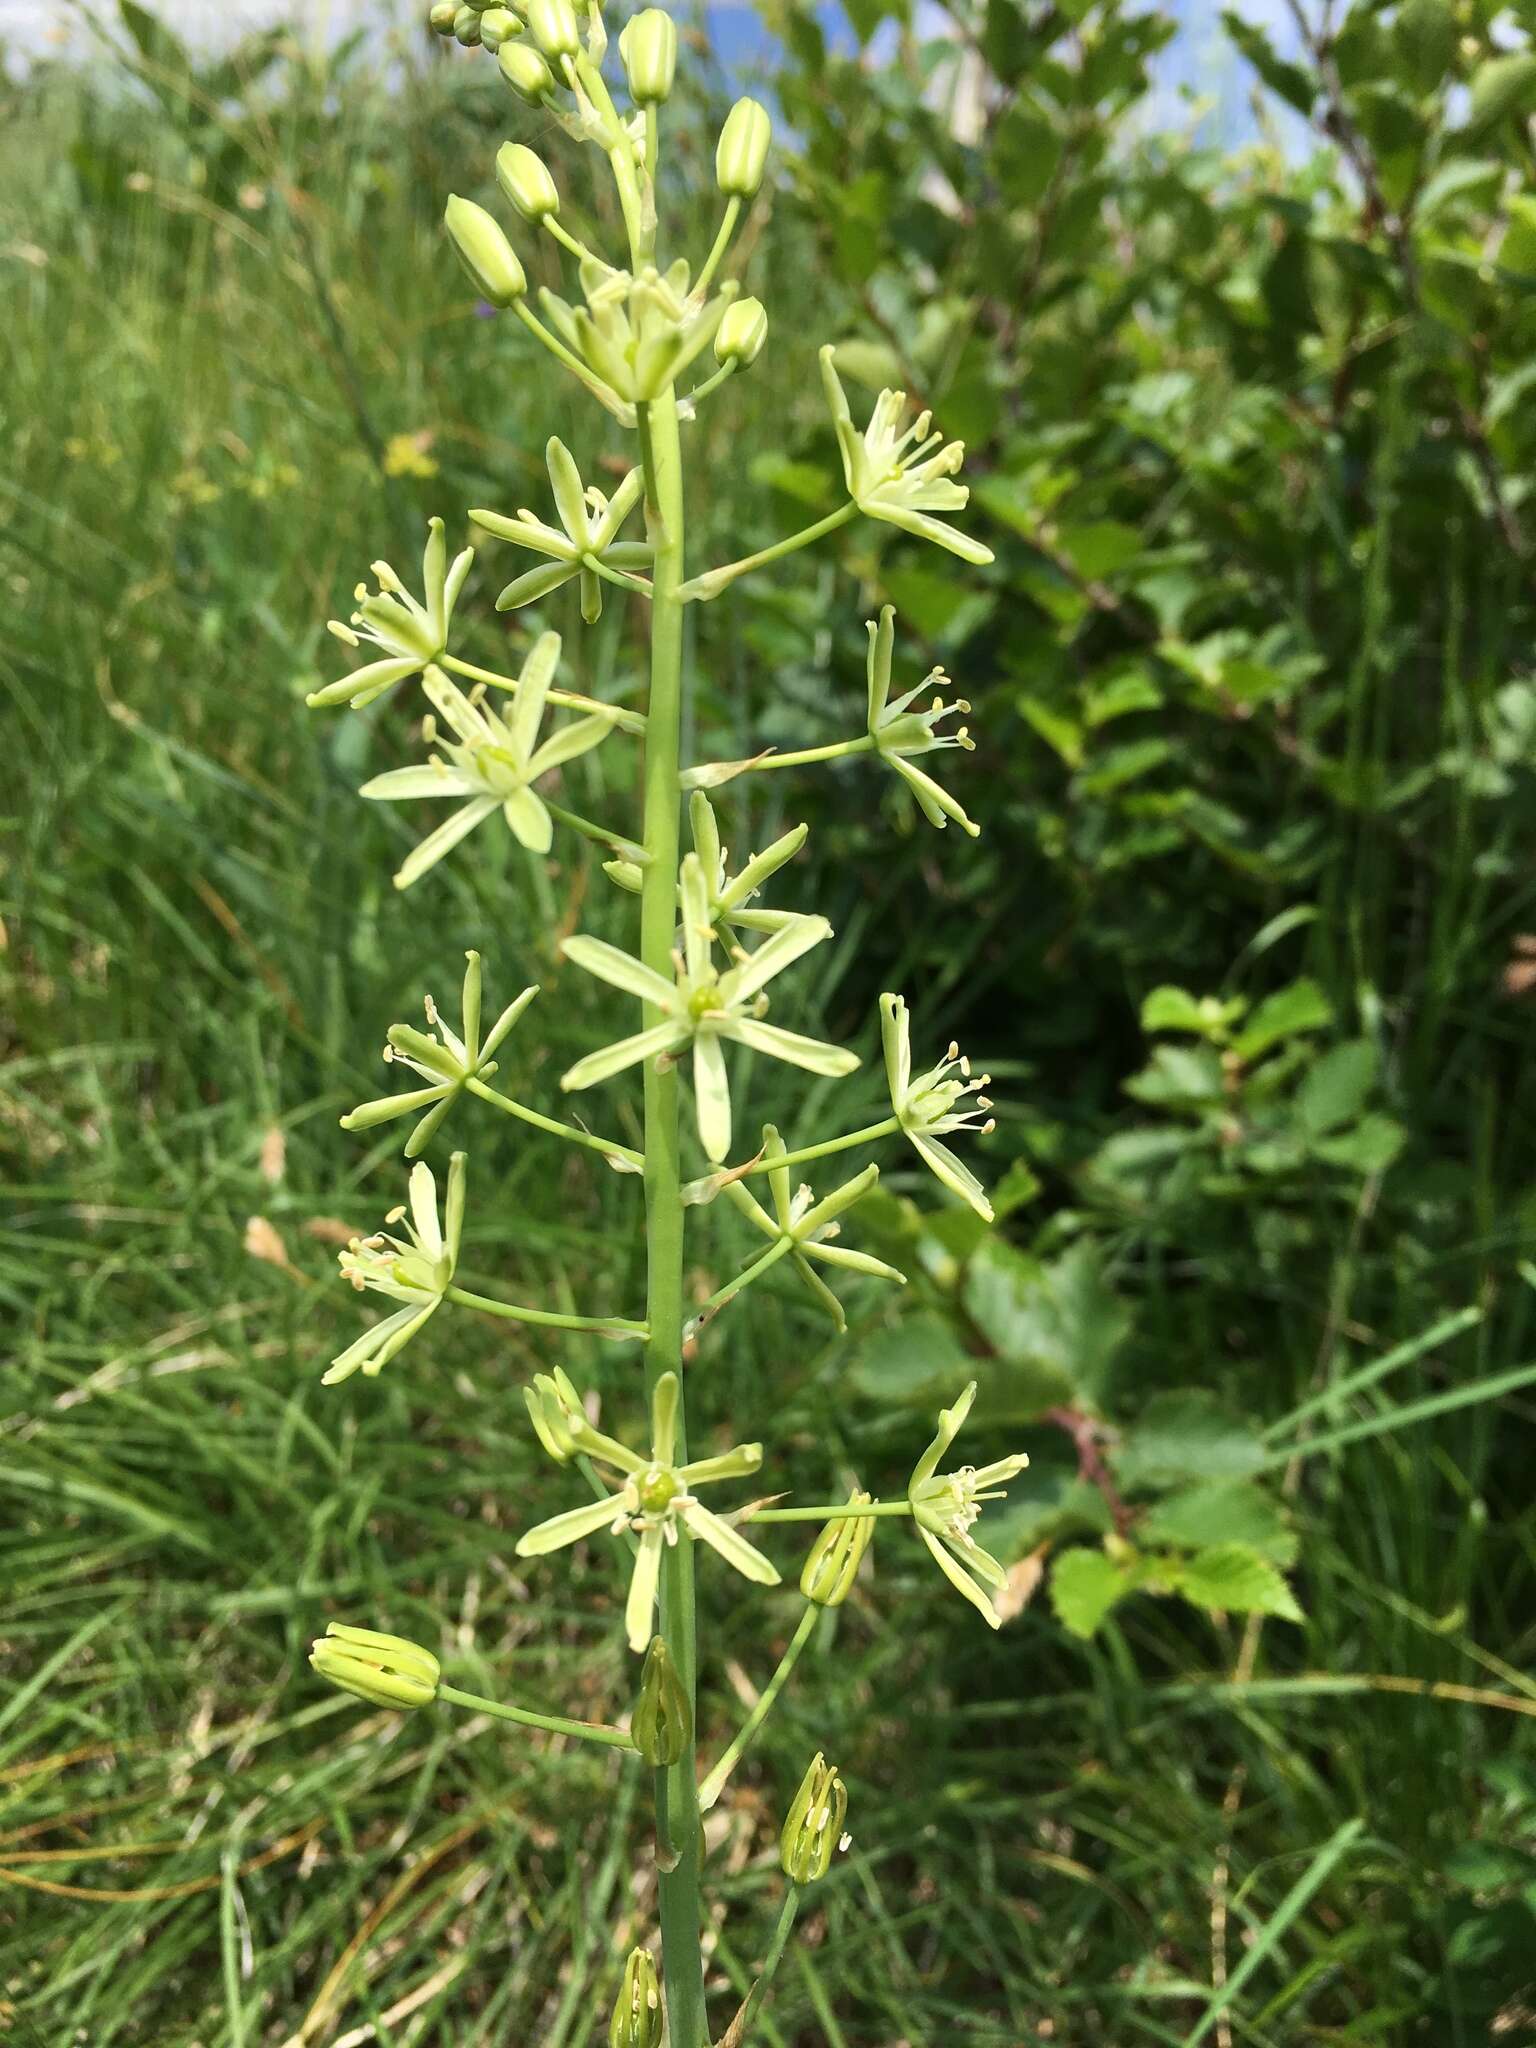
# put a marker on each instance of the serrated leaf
(1085, 1586)
(1185, 1435)
(1179, 1077)
(1501, 87)
(1062, 1318)
(1300, 1007)
(1200, 1516)
(1369, 1147)
(1296, 87)
(1335, 1089)
(1230, 1578)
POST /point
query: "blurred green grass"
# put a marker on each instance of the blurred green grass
(221, 334)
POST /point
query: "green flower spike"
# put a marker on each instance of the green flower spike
(591, 521)
(814, 1827)
(447, 1063)
(899, 732)
(929, 1107)
(901, 476)
(410, 634)
(656, 1502)
(416, 1271)
(946, 1505)
(387, 1671)
(704, 1008)
(809, 1225)
(493, 762)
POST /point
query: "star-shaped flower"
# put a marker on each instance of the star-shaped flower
(656, 1501)
(410, 634)
(930, 1105)
(810, 1225)
(946, 1505)
(416, 1270)
(447, 1063)
(591, 523)
(703, 1007)
(493, 761)
(903, 476)
(899, 732)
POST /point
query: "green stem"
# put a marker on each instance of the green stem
(721, 243)
(713, 381)
(835, 1511)
(805, 757)
(609, 1147)
(567, 240)
(736, 2033)
(621, 577)
(714, 1784)
(744, 1278)
(600, 1326)
(866, 1136)
(627, 721)
(678, 1824)
(713, 581)
(599, 833)
(553, 1724)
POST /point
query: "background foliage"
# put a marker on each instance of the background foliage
(1244, 945)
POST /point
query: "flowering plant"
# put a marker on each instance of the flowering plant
(706, 953)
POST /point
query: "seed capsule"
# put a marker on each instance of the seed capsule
(442, 17)
(484, 251)
(525, 178)
(648, 46)
(742, 150)
(526, 72)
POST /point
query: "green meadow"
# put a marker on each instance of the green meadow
(1247, 945)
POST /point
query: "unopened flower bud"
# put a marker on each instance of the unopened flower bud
(526, 72)
(497, 26)
(741, 334)
(443, 16)
(525, 178)
(648, 46)
(387, 1671)
(553, 1406)
(662, 1726)
(636, 2021)
(552, 24)
(466, 26)
(833, 1564)
(742, 150)
(484, 251)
